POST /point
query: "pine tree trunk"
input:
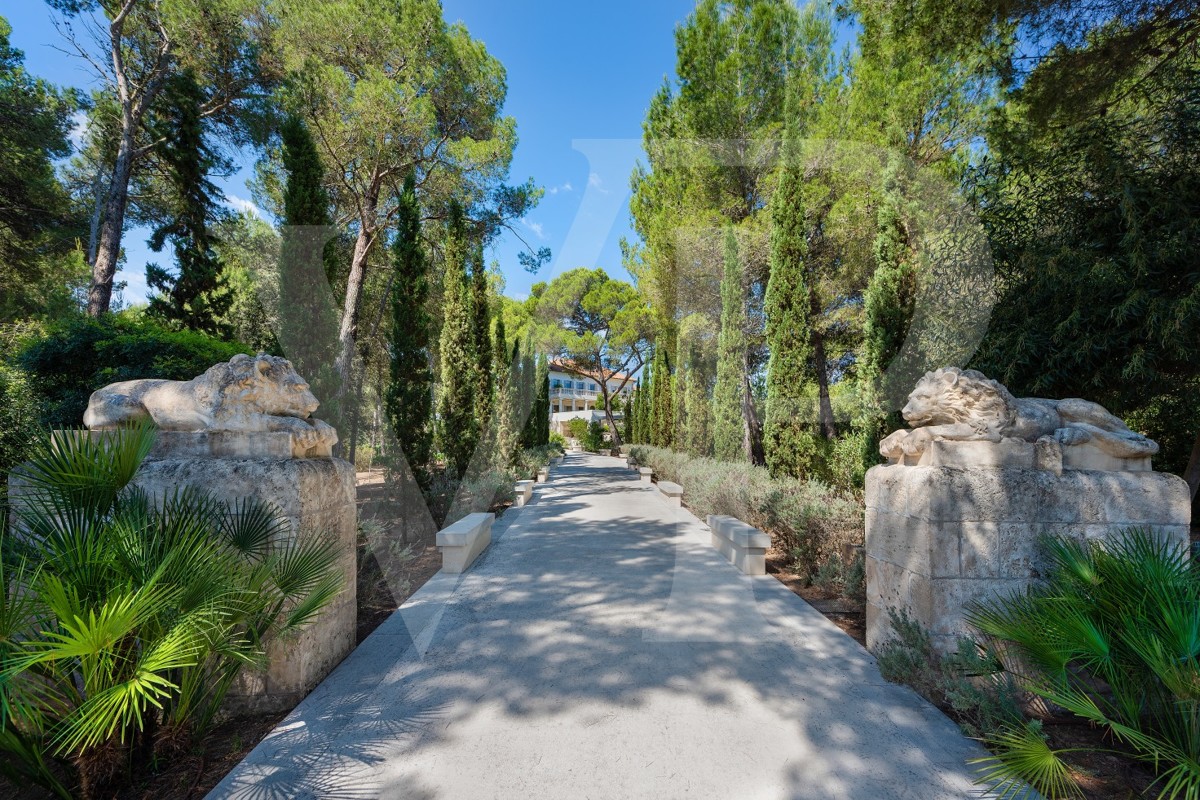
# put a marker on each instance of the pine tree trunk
(348, 331)
(108, 250)
(828, 430)
(752, 439)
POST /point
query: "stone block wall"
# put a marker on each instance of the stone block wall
(938, 537)
(316, 496)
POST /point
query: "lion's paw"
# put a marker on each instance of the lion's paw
(1070, 436)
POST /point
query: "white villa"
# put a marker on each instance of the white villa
(574, 391)
(574, 395)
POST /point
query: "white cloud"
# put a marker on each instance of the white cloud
(596, 183)
(242, 205)
(566, 187)
(538, 230)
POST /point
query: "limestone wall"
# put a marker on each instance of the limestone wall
(938, 537)
(316, 496)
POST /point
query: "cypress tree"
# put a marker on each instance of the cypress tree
(529, 430)
(195, 295)
(645, 392)
(888, 302)
(307, 312)
(727, 419)
(409, 393)
(481, 328)
(697, 434)
(542, 407)
(788, 438)
(458, 426)
(627, 418)
(503, 410)
(662, 424)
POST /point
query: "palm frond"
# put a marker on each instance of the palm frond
(1025, 764)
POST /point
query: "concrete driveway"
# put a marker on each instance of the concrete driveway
(602, 649)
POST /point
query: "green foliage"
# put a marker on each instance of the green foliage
(458, 430)
(788, 437)
(577, 429)
(195, 296)
(409, 399)
(598, 324)
(127, 618)
(308, 263)
(1092, 227)
(77, 355)
(593, 437)
(507, 436)
(1111, 635)
(697, 424)
(968, 684)
(662, 402)
(541, 409)
(728, 421)
(481, 334)
(798, 514)
(37, 226)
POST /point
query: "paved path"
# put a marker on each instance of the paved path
(602, 649)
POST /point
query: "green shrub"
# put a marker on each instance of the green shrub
(805, 518)
(78, 355)
(593, 440)
(1113, 636)
(558, 440)
(364, 458)
(125, 619)
(577, 429)
(970, 684)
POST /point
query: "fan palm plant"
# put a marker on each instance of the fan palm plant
(1113, 636)
(125, 618)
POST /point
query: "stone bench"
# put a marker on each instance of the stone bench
(524, 492)
(647, 473)
(672, 491)
(543, 475)
(744, 546)
(462, 542)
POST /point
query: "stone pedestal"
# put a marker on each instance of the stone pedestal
(967, 524)
(316, 496)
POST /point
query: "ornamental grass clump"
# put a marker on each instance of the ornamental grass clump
(125, 618)
(1112, 636)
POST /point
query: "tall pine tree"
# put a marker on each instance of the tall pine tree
(409, 397)
(787, 435)
(195, 295)
(458, 426)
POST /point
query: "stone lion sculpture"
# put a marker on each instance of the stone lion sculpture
(250, 394)
(965, 405)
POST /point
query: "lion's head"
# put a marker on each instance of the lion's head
(952, 395)
(268, 384)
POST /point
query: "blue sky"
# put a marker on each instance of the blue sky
(580, 78)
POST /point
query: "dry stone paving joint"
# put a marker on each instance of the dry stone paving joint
(602, 648)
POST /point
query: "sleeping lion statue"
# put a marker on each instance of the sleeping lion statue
(254, 394)
(965, 405)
